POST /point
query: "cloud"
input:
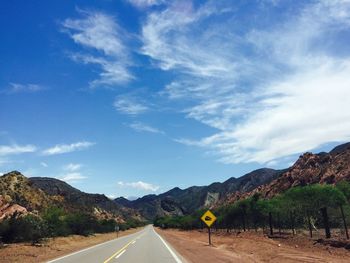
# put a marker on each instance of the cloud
(16, 149)
(146, 3)
(271, 89)
(72, 167)
(67, 148)
(111, 196)
(141, 127)
(72, 177)
(103, 38)
(43, 164)
(129, 105)
(24, 88)
(72, 173)
(140, 186)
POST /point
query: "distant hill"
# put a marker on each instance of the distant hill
(35, 194)
(324, 168)
(179, 202)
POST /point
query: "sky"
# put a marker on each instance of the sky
(135, 97)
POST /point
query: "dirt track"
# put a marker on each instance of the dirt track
(250, 247)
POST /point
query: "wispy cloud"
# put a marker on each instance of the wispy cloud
(141, 127)
(72, 167)
(67, 148)
(146, 3)
(269, 92)
(43, 164)
(16, 149)
(100, 33)
(129, 105)
(72, 177)
(140, 186)
(23, 88)
(72, 173)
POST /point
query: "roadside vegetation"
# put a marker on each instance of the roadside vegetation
(55, 222)
(311, 207)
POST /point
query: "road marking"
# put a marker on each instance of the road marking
(120, 254)
(85, 249)
(133, 242)
(123, 248)
(170, 250)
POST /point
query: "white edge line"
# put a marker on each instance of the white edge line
(77, 252)
(120, 253)
(170, 250)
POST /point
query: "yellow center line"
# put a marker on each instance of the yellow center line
(120, 250)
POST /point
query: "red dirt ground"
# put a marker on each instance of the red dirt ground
(250, 247)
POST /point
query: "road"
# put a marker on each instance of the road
(145, 246)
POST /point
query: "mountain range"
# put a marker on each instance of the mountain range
(310, 168)
(32, 195)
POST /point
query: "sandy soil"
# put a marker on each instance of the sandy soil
(53, 247)
(250, 247)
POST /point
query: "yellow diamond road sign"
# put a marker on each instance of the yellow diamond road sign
(208, 218)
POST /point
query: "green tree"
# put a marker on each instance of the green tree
(55, 218)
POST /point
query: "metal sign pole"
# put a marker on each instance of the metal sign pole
(208, 218)
(209, 236)
(116, 228)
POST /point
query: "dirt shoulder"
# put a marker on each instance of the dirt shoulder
(54, 247)
(250, 247)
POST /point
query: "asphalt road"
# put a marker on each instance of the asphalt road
(144, 246)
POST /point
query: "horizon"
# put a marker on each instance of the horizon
(133, 97)
(133, 198)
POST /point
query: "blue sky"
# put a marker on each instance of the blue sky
(133, 97)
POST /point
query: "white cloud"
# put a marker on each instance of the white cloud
(43, 164)
(16, 149)
(165, 41)
(140, 186)
(100, 32)
(24, 88)
(141, 127)
(289, 95)
(67, 148)
(72, 167)
(72, 177)
(146, 3)
(129, 105)
(111, 196)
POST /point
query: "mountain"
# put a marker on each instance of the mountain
(35, 194)
(323, 168)
(184, 201)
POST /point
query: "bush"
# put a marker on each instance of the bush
(55, 218)
(27, 228)
(82, 224)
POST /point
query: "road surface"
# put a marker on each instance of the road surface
(145, 246)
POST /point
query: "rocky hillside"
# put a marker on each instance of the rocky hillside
(324, 168)
(17, 189)
(36, 194)
(179, 202)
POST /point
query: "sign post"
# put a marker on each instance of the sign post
(117, 230)
(208, 218)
